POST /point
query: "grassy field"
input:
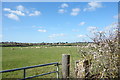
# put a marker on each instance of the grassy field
(17, 57)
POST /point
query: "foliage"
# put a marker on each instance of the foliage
(103, 54)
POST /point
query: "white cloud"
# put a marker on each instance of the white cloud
(33, 26)
(35, 13)
(64, 5)
(92, 29)
(95, 4)
(20, 8)
(92, 6)
(75, 11)
(37, 26)
(116, 16)
(81, 36)
(14, 11)
(40, 27)
(7, 9)
(42, 30)
(61, 11)
(75, 30)
(12, 16)
(81, 23)
(20, 11)
(74, 14)
(111, 27)
(56, 35)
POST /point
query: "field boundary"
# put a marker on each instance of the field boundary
(42, 65)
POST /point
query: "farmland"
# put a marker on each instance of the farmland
(17, 57)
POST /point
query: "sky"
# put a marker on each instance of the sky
(36, 22)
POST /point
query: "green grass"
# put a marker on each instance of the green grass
(17, 57)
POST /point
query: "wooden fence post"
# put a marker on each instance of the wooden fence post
(86, 66)
(65, 65)
(82, 69)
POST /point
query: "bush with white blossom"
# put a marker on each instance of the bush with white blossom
(104, 52)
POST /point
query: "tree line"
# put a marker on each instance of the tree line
(19, 44)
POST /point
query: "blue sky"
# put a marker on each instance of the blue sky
(55, 21)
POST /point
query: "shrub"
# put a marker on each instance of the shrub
(103, 53)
